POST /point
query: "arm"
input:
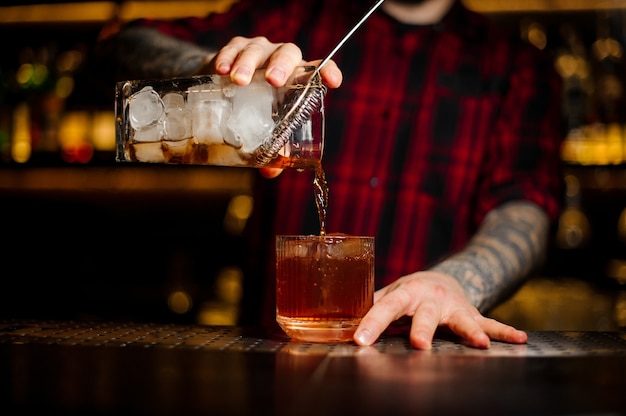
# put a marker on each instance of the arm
(510, 243)
(144, 52)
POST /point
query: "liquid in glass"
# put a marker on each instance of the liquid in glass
(324, 285)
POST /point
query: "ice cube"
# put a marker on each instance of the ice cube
(251, 122)
(148, 152)
(145, 108)
(173, 100)
(177, 124)
(296, 248)
(203, 92)
(208, 118)
(177, 119)
(209, 110)
(176, 151)
(149, 134)
(223, 155)
(347, 247)
(248, 127)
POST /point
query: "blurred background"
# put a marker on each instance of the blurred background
(86, 238)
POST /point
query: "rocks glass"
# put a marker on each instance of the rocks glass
(324, 285)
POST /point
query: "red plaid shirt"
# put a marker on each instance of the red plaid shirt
(433, 127)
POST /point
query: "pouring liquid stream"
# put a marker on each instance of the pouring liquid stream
(320, 184)
(320, 188)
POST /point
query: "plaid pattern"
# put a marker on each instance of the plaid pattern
(433, 127)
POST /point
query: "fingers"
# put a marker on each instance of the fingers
(242, 56)
(502, 332)
(478, 331)
(386, 310)
(330, 72)
(424, 324)
(464, 325)
(225, 57)
(331, 75)
(432, 302)
(282, 63)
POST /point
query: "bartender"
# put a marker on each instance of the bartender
(442, 141)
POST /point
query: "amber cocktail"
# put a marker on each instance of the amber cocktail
(324, 285)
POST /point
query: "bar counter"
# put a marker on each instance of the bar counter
(92, 367)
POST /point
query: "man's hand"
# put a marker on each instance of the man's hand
(240, 57)
(432, 300)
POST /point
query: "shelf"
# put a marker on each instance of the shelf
(127, 179)
(102, 11)
(508, 6)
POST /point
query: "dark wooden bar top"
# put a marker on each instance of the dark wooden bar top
(102, 368)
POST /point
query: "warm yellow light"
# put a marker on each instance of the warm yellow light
(103, 11)
(64, 86)
(620, 310)
(240, 207)
(572, 185)
(614, 142)
(40, 74)
(24, 74)
(237, 214)
(67, 12)
(537, 35)
(69, 61)
(605, 48)
(21, 151)
(545, 304)
(74, 128)
(569, 65)
(103, 130)
(170, 9)
(494, 6)
(215, 313)
(21, 147)
(574, 229)
(224, 310)
(229, 285)
(179, 302)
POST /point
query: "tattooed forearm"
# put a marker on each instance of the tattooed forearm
(143, 53)
(510, 243)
